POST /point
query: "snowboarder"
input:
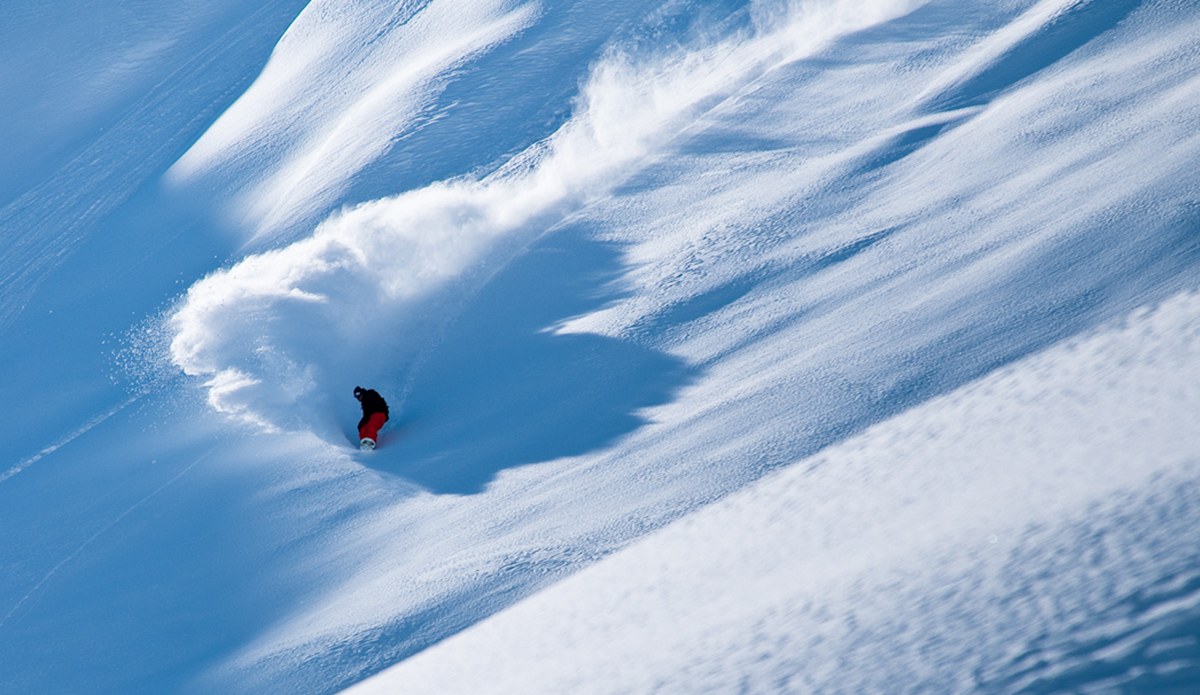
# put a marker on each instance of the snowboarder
(375, 413)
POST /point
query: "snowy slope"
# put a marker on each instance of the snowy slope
(1034, 531)
(826, 346)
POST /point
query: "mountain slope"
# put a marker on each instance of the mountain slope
(846, 284)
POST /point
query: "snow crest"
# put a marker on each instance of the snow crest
(347, 78)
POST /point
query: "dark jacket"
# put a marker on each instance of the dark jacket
(372, 403)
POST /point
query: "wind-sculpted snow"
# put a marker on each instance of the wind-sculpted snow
(981, 492)
(884, 313)
(345, 81)
(282, 332)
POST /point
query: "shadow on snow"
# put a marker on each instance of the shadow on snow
(502, 389)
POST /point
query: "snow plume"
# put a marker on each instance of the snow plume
(271, 330)
(281, 332)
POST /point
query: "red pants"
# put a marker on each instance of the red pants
(371, 429)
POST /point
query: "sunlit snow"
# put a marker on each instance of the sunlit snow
(823, 346)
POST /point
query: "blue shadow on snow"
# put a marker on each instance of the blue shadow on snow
(500, 389)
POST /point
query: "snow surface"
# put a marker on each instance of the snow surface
(772, 346)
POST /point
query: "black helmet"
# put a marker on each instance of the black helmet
(358, 391)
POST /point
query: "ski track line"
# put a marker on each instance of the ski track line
(101, 532)
(66, 440)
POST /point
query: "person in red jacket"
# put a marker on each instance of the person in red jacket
(375, 413)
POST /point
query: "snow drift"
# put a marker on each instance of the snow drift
(832, 561)
(875, 321)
